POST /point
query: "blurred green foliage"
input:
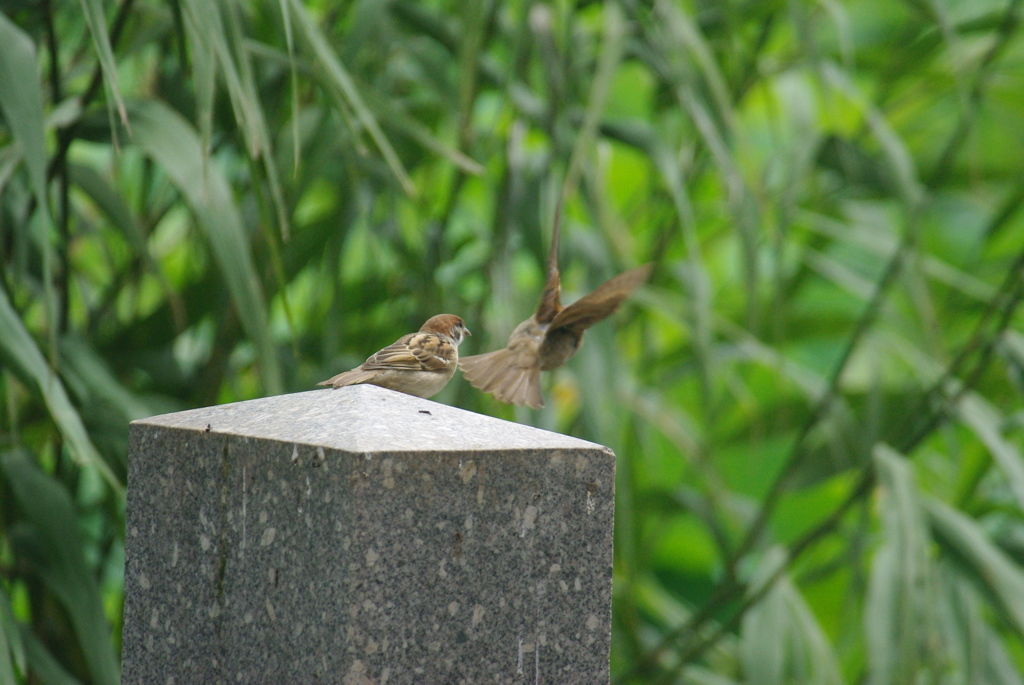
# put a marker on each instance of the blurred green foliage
(816, 403)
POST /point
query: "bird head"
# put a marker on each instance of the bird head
(447, 324)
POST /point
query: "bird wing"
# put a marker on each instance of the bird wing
(550, 299)
(417, 352)
(602, 302)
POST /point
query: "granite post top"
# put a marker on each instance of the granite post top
(367, 419)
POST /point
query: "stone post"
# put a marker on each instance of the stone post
(363, 536)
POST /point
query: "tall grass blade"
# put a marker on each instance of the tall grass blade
(781, 639)
(12, 647)
(21, 101)
(43, 664)
(983, 562)
(342, 84)
(112, 204)
(986, 422)
(223, 51)
(95, 19)
(896, 612)
(21, 354)
(169, 140)
(54, 547)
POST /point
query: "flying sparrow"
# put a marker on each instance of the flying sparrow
(417, 364)
(550, 337)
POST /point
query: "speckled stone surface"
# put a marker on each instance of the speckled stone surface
(362, 536)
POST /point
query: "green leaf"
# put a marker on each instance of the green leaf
(986, 423)
(972, 644)
(204, 74)
(703, 676)
(765, 643)
(289, 40)
(883, 245)
(222, 49)
(421, 134)
(12, 648)
(43, 664)
(97, 23)
(166, 137)
(19, 350)
(681, 30)
(51, 541)
(10, 160)
(21, 100)
(608, 61)
(900, 161)
(112, 204)
(896, 614)
(341, 83)
(781, 639)
(987, 565)
(89, 375)
(665, 609)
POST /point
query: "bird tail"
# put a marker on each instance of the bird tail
(495, 373)
(353, 377)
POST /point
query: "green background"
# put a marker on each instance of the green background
(816, 402)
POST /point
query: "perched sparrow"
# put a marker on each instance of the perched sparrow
(547, 339)
(417, 364)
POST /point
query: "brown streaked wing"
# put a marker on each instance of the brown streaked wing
(416, 351)
(606, 298)
(550, 299)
